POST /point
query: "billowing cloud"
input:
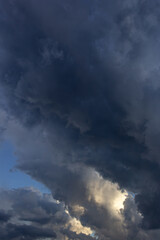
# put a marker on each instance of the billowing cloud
(79, 86)
(28, 214)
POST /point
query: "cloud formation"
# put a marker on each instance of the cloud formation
(28, 214)
(79, 85)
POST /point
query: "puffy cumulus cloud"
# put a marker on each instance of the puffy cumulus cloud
(78, 210)
(105, 193)
(30, 214)
(79, 86)
(76, 226)
(27, 218)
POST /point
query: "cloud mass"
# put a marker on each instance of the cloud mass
(79, 86)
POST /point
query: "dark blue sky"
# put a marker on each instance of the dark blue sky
(11, 177)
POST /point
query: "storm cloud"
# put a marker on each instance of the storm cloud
(79, 86)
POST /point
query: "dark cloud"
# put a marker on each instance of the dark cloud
(4, 217)
(29, 214)
(80, 88)
(13, 231)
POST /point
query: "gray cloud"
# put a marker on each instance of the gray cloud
(80, 91)
(30, 214)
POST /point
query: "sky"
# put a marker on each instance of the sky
(79, 120)
(10, 176)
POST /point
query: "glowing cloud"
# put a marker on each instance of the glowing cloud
(106, 193)
(75, 225)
